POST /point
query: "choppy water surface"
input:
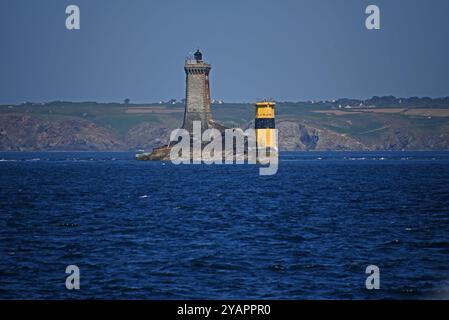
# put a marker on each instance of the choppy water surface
(157, 231)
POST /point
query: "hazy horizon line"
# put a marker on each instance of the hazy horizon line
(235, 101)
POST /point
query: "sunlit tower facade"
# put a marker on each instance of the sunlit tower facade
(198, 105)
(266, 134)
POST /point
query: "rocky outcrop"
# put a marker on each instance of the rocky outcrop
(146, 136)
(35, 133)
(159, 154)
(398, 139)
(296, 136)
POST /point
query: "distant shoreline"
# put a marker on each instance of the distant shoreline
(379, 123)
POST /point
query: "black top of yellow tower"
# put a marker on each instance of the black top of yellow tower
(265, 104)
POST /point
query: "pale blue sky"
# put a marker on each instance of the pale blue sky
(285, 49)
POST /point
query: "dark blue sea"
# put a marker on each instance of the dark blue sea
(154, 230)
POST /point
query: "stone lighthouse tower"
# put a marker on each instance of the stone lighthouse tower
(198, 105)
(197, 93)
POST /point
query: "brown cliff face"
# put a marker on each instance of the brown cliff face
(146, 136)
(295, 136)
(31, 132)
(35, 133)
(403, 138)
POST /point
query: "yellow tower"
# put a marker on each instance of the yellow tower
(266, 135)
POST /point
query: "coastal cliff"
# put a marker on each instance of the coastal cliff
(339, 125)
